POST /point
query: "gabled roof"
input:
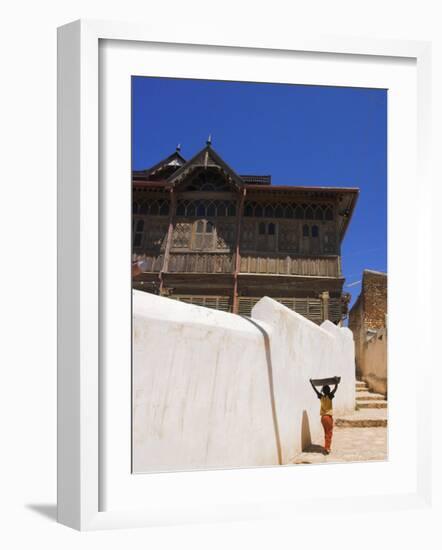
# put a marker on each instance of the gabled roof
(206, 158)
(174, 170)
(173, 161)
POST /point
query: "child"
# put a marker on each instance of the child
(326, 412)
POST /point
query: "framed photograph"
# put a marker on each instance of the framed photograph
(236, 223)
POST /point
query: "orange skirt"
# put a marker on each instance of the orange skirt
(327, 424)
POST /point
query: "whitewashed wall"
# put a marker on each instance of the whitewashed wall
(301, 350)
(212, 389)
(374, 362)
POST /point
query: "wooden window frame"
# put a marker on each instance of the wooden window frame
(136, 232)
(195, 233)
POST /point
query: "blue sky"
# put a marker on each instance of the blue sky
(301, 135)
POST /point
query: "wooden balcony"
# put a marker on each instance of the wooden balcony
(327, 266)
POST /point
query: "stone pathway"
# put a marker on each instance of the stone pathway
(357, 437)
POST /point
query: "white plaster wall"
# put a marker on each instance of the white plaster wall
(374, 363)
(201, 395)
(212, 389)
(301, 350)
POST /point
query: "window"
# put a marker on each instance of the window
(299, 213)
(209, 180)
(329, 213)
(151, 207)
(164, 208)
(138, 233)
(305, 231)
(279, 211)
(211, 209)
(315, 231)
(201, 208)
(266, 239)
(204, 235)
(309, 213)
(319, 214)
(268, 211)
(248, 210)
(266, 228)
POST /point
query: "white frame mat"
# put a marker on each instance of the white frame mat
(86, 476)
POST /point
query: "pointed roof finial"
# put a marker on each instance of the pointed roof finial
(209, 140)
(178, 148)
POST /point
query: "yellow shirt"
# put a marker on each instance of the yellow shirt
(326, 405)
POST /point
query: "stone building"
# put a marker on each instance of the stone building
(204, 234)
(368, 322)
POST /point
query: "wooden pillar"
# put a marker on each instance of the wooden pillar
(325, 297)
(165, 265)
(239, 216)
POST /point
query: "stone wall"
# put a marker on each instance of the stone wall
(216, 390)
(374, 299)
(367, 321)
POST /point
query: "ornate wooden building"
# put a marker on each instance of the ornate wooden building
(208, 236)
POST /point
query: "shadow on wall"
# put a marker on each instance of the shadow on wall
(306, 437)
(271, 386)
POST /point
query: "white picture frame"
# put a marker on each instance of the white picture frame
(80, 297)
